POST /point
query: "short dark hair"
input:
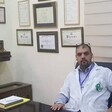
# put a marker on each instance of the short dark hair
(84, 45)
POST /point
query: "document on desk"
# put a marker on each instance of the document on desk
(11, 100)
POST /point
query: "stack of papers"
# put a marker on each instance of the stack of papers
(11, 101)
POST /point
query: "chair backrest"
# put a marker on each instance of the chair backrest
(109, 65)
(105, 64)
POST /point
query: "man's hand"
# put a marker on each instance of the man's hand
(57, 106)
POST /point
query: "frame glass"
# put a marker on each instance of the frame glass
(45, 14)
(24, 13)
(47, 42)
(24, 37)
(72, 12)
(70, 37)
(2, 15)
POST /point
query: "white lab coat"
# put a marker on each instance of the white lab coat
(89, 99)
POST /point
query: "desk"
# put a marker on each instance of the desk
(31, 107)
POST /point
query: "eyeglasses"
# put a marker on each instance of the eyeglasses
(84, 45)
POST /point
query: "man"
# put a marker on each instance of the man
(88, 87)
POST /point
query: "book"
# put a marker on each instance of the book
(11, 100)
(25, 100)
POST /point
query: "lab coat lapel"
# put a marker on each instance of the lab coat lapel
(78, 83)
(88, 84)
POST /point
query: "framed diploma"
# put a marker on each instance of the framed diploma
(70, 37)
(45, 14)
(47, 42)
(24, 37)
(72, 12)
(2, 15)
(24, 13)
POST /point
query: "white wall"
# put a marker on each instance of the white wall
(7, 70)
(45, 71)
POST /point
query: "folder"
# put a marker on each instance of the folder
(16, 103)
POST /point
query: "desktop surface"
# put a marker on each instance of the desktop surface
(31, 107)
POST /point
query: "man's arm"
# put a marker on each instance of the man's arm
(60, 102)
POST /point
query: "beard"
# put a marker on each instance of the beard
(84, 64)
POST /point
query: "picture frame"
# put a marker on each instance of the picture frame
(24, 37)
(45, 14)
(71, 12)
(2, 1)
(2, 15)
(24, 13)
(70, 37)
(47, 42)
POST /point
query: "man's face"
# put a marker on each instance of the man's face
(83, 56)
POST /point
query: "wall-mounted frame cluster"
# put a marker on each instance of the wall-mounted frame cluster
(45, 16)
